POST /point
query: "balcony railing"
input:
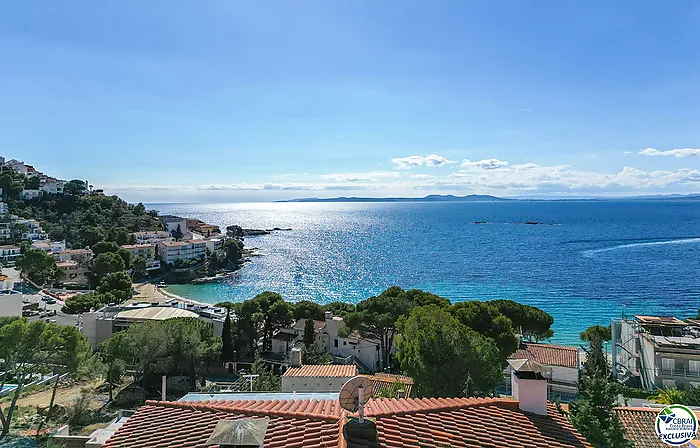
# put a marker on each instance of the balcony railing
(680, 372)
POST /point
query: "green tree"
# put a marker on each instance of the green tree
(309, 332)
(339, 308)
(104, 247)
(266, 381)
(27, 348)
(596, 362)
(668, 396)
(177, 233)
(69, 355)
(305, 309)
(139, 266)
(227, 353)
(115, 287)
(592, 413)
(38, 265)
(275, 313)
(418, 297)
(376, 317)
(314, 354)
(534, 323)
(599, 331)
(443, 356)
(74, 187)
(82, 303)
(115, 352)
(106, 263)
(487, 320)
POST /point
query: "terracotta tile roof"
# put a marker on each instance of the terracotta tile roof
(318, 325)
(639, 425)
(549, 354)
(325, 370)
(425, 423)
(384, 381)
(181, 425)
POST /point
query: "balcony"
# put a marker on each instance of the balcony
(680, 372)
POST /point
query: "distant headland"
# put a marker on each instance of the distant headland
(429, 198)
(489, 198)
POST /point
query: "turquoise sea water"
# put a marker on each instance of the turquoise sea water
(587, 262)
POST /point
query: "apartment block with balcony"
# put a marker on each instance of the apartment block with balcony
(152, 237)
(8, 254)
(146, 251)
(657, 351)
(171, 251)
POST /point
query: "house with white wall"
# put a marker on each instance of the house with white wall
(171, 251)
(317, 378)
(562, 365)
(342, 344)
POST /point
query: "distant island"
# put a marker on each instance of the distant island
(429, 198)
(489, 198)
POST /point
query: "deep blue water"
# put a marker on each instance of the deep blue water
(588, 262)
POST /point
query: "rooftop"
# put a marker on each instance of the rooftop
(182, 243)
(425, 423)
(76, 251)
(138, 246)
(318, 325)
(324, 370)
(9, 247)
(155, 313)
(639, 425)
(384, 381)
(660, 320)
(549, 354)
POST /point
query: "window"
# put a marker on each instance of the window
(694, 366)
(667, 364)
(336, 343)
(345, 343)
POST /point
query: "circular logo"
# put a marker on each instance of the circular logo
(676, 425)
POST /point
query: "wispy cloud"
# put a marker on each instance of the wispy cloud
(679, 153)
(406, 163)
(360, 177)
(486, 164)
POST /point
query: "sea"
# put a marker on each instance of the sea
(584, 262)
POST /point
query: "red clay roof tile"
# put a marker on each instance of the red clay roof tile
(324, 370)
(549, 354)
(401, 423)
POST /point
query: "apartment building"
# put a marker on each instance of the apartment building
(171, 251)
(8, 254)
(152, 237)
(74, 273)
(656, 351)
(146, 251)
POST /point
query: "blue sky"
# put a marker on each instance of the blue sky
(245, 101)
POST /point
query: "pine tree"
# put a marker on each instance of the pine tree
(309, 332)
(227, 339)
(592, 413)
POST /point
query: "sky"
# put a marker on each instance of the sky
(186, 101)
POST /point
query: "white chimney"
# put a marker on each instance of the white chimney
(295, 357)
(329, 315)
(529, 385)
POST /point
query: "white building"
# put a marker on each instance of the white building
(52, 186)
(145, 251)
(366, 352)
(561, 362)
(30, 194)
(3, 206)
(16, 165)
(49, 246)
(8, 254)
(99, 325)
(79, 255)
(152, 237)
(214, 244)
(172, 222)
(317, 378)
(34, 230)
(656, 351)
(170, 251)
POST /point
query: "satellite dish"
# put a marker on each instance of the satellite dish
(355, 394)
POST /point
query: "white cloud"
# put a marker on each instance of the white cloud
(360, 177)
(406, 163)
(679, 153)
(486, 164)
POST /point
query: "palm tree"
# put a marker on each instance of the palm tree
(667, 396)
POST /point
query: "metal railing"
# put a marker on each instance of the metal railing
(682, 372)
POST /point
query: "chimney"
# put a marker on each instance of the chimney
(401, 393)
(529, 385)
(367, 430)
(295, 357)
(329, 315)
